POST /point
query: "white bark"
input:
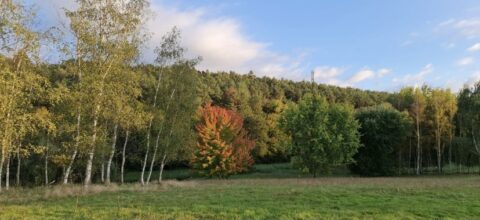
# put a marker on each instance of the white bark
(112, 153)
(123, 158)
(88, 170)
(154, 156)
(162, 165)
(7, 173)
(142, 175)
(75, 151)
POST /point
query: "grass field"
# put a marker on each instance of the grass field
(256, 196)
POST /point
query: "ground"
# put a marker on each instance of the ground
(263, 194)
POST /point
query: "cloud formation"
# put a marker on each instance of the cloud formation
(465, 61)
(469, 27)
(221, 42)
(334, 75)
(415, 79)
(475, 47)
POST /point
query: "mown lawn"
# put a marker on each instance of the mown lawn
(434, 197)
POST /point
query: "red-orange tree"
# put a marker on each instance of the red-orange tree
(222, 147)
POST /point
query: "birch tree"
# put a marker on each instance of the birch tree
(442, 108)
(21, 84)
(108, 35)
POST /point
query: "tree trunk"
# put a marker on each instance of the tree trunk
(19, 158)
(88, 170)
(75, 151)
(7, 173)
(142, 175)
(2, 161)
(162, 165)
(154, 157)
(112, 153)
(123, 158)
(477, 148)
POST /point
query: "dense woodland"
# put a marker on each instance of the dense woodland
(100, 113)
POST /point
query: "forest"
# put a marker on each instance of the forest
(99, 113)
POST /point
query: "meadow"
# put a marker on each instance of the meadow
(270, 192)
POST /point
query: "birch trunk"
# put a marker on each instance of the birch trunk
(142, 176)
(477, 148)
(79, 117)
(154, 156)
(123, 158)
(162, 165)
(75, 151)
(88, 170)
(112, 153)
(7, 173)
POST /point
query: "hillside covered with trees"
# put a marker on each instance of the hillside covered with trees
(100, 113)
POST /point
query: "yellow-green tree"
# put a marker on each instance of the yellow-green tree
(441, 108)
(107, 36)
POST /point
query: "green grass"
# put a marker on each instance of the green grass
(259, 171)
(433, 197)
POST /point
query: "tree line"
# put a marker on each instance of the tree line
(100, 113)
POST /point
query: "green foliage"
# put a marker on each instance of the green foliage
(322, 135)
(383, 129)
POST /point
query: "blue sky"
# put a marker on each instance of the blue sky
(370, 44)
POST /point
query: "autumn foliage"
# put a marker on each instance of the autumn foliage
(222, 147)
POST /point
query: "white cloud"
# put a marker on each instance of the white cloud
(383, 72)
(367, 73)
(329, 75)
(327, 72)
(221, 43)
(475, 47)
(415, 79)
(469, 27)
(474, 78)
(361, 76)
(334, 75)
(465, 61)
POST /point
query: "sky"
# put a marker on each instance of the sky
(370, 44)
